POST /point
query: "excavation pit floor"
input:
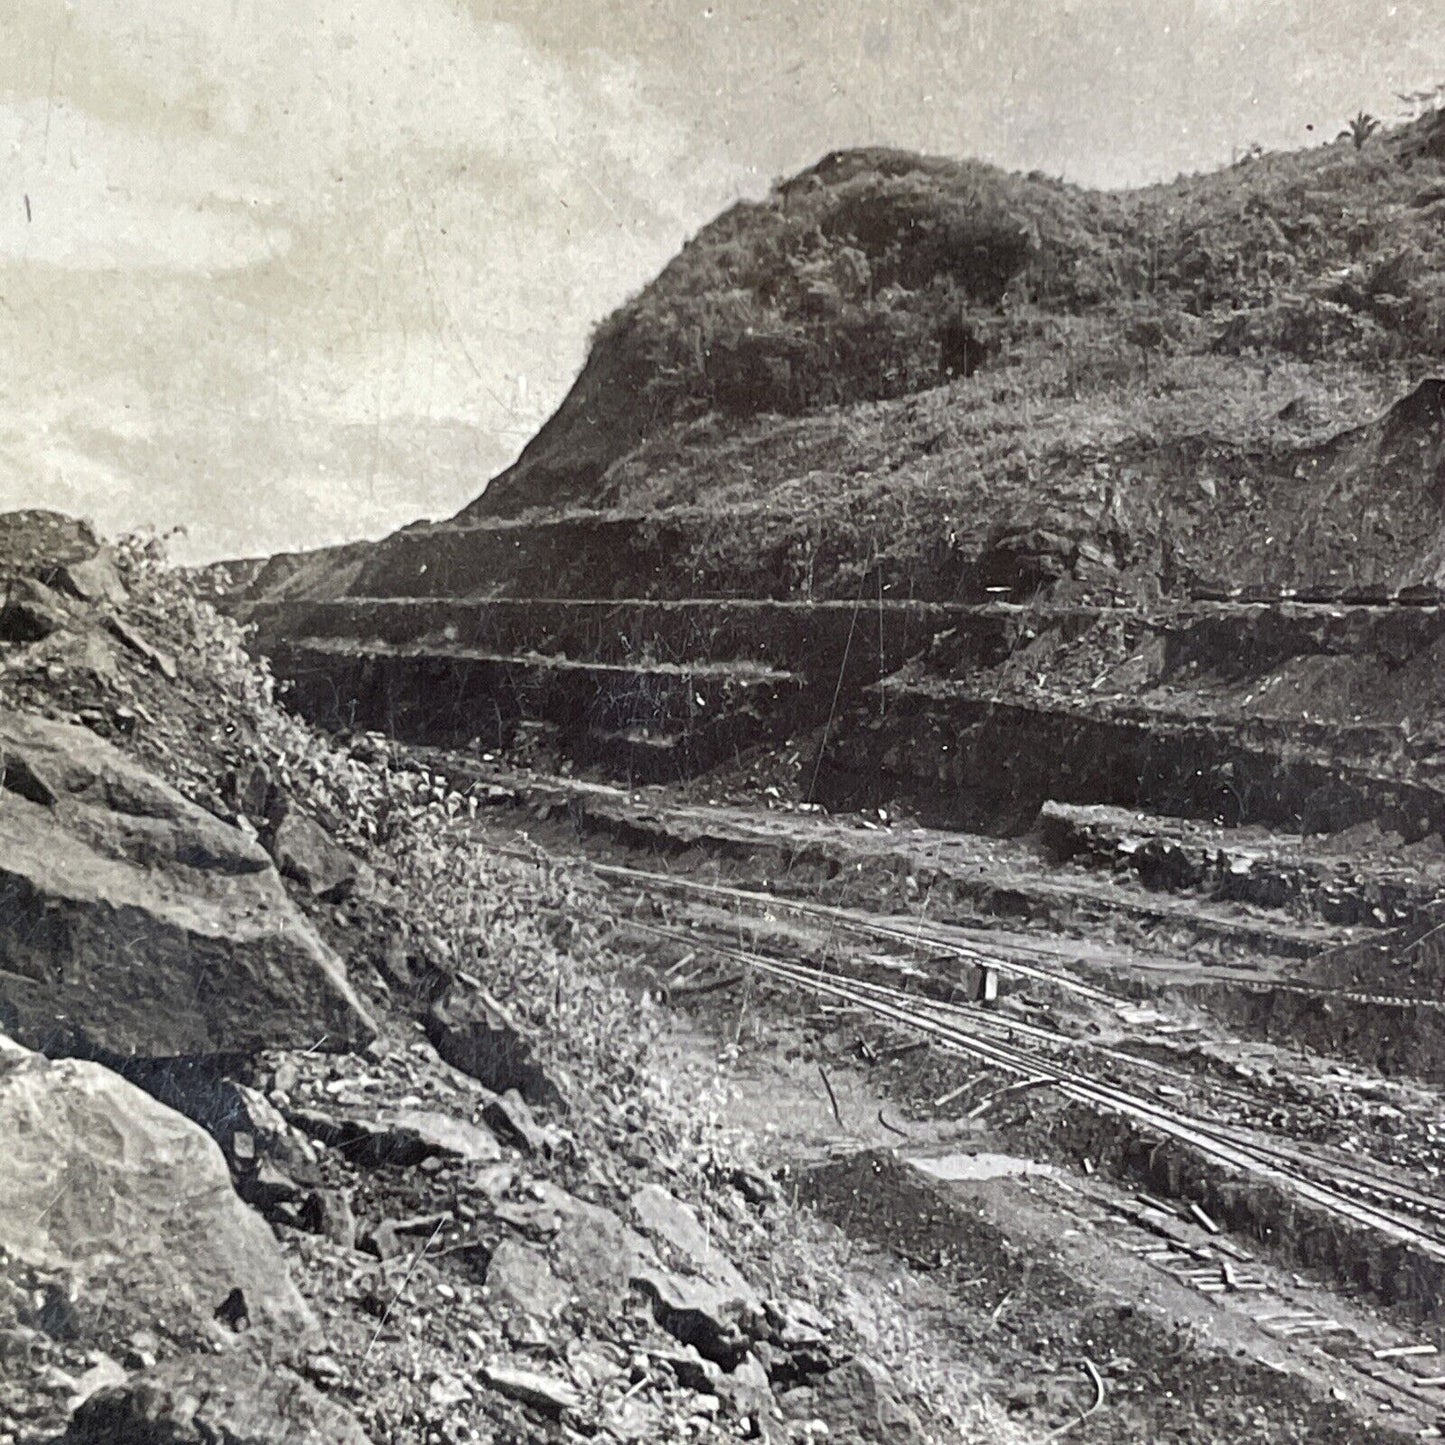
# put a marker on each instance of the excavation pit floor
(1046, 1221)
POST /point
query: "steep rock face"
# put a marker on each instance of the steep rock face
(126, 1199)
(1363, 509)
(132, 922)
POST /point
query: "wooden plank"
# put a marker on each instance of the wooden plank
(1405, 1352)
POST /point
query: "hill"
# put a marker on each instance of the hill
(931, 389)
(878, 274)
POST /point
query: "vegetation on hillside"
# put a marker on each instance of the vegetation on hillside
(188, 699)
(880, 273)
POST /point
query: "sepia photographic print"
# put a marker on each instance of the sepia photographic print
(722, 720)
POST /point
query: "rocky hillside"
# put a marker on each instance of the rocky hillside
(325, 1122)
(912, 440)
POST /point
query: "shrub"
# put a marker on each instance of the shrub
(1307, 327)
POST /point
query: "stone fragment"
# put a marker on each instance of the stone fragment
(509, 1118)
(520, 1280)
(441, 1135)
(693, 1372)
(126, 1198)
(755, 1187)
(328, 1212)
(594, 1252)
(697, 1312)
(796, 1325)
(475, 1034)
(34, 541)
(105, 1374)
(746, 1391)
(228, 965)
(862, 1406)
(400, 1138)
(667, 1221)
(32, 612)
(542, 1392)
(305, 853)
(143, 648)
(94, 579)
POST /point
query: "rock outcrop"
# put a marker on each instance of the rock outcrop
(133, 922)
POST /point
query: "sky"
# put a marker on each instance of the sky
(290, 272)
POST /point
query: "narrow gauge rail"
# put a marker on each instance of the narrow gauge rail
(924, 937)
(1340, 1173)
(1225, 1145)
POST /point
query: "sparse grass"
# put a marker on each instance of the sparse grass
(809, 505)
(532, 930)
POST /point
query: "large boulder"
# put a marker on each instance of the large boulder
(130, 1202)
(31, 612)
(133, 922)
(586, 1256)
(702, 1298)
(715, 1321)
(473, 1032)
(48, 561)
(675, 1228)
(400, 1138)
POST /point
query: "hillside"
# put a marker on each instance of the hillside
(884, 883)
(879, 274)
(923, 389)
(328, 1122)
(907, 372)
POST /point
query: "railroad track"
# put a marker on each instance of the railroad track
(920, 937)
(1356, 1177)
(969, 1032)
(923, 937)
(1327, 1184)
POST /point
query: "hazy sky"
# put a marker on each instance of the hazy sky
(289, 271)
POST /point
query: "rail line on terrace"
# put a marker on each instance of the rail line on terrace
(1328, 1184)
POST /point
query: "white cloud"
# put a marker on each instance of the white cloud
(83, 193)
(318, 241)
